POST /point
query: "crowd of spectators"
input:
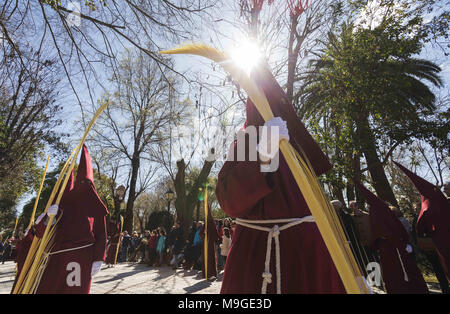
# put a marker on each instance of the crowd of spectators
(159, 247)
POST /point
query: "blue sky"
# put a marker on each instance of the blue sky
(219, 32)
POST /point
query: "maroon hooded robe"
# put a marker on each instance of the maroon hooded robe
(434, 217)
(213, 240)
(389, 237)
(23, 246)
(114, 235)
(80, 236)
(244, 191)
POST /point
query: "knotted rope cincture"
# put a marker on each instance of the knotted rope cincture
(273, 232)
(71, 249)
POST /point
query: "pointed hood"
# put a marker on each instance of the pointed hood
(435, 209)
(68, 188)
(383, 222)
(300, 138)
(425, 188)
(84, 186)
(85, 171)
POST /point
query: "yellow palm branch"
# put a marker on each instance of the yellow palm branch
(38, 195)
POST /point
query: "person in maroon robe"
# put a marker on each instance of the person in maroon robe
(36, 230)
(434, 217)
(213, 240)
(22, 247)
(80, 241)
(303, 264)
(114, 236)
(390, 238)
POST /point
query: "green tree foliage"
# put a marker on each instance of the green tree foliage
(433, 17)
(367, 94)
(29, 114)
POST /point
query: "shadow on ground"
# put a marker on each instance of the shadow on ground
(202, 284)
(137, 268)
(164, 272)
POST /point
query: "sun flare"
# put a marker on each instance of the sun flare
(246, 55)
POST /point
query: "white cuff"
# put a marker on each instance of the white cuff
(53, 210)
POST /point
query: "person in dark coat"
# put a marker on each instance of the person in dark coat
(152, 243)
(7, 251)
(189, 248)
(178, 245)
(126, 245)
(198, 247)
(113, 231)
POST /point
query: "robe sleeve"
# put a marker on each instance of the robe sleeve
(99, 229)
(241, 185)
(39, 229)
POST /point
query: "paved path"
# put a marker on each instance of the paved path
(134, 278)
(138, 278)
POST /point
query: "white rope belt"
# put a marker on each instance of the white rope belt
(274, 232)
(71, 249)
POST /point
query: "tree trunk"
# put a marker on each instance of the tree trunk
(197, 217)
(128, 223)
(337, 194)
(375, 167)
(141, 224)
(337, 187)
(185, 203)
(180, 190)
(350, 191)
